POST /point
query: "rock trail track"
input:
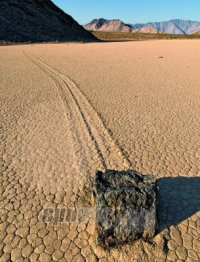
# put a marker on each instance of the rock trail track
(80, 111)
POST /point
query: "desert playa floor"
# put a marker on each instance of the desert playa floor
(68, 110)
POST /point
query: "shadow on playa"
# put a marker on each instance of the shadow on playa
(178, 199)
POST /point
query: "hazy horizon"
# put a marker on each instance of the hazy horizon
(131, 11)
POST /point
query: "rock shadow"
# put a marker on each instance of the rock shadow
(178, 199)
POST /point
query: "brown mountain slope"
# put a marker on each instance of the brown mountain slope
(115, 25)
(148, 30)
(38, 20)
(196, 33)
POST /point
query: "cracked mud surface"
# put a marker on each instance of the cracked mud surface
(70, 109)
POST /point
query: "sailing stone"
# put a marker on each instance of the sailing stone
(125, 207)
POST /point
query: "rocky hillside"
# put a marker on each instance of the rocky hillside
(176, 26)
(108, 26)
(147, 30)
(36, 21)
(196, 33)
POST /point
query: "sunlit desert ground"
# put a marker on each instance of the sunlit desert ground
(68, 110)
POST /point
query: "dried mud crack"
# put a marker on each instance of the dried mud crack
(52, 142)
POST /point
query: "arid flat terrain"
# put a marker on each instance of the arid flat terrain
(123, 36)
(67, 110)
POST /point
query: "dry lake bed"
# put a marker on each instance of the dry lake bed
(68, 110)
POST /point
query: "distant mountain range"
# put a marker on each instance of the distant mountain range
(36, 21)
(116, 26)
(176, 26)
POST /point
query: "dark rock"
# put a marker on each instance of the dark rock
(125, 207)
(38, 21)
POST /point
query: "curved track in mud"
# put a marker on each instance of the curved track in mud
(109, 154)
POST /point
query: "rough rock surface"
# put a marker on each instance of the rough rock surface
(38, 20)
(126, 207)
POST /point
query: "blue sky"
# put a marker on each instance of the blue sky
(131, 11)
